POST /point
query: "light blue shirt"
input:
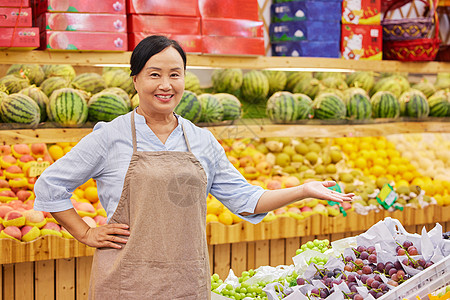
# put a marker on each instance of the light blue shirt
(105, 155)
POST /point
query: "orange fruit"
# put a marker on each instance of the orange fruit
(91, 194)
(56, 152)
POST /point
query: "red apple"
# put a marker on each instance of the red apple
(26, 158)
(52, 226)
(34, 216)
(24, 195)
(5, 150)
(7, 193)
(280, 211)
(4, 210)
(12, 231)
(246, 161)
(14, 169)
(291, 181)
(4, 184)
(20, 149)
(294, 209)
(38, 150)
(234, 161)
(84, 206)
(9, 159)
(15, 204)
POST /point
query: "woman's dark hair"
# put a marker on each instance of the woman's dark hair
(150, 46)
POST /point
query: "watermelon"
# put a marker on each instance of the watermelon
(295, 77)
(442, 81)
(33, 72)
(385, 105)
(117, 78)
(212, 110)
(439, 104)
(309, 86)
(323, 75)
(304, 106)
(334, 83)
(106, 107)
(339, 93)
(19, 108)
(282, 107)
(118, 91)
(364, 80)
(39, 97)
(64, 71)
(329, 106)
(227, 80)
(13, 83)
(135, 101)
(425, 87)
(192, 83)
(125, 69)
(232, 107)
(277, 80)
(388, 84)
(67, 107)
(90, 82)
(413, 103)
(189, 107)
(358, 104)
(255, 87)
(53, 83)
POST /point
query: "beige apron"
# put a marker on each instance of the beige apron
(166, 256)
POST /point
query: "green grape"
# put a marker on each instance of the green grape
(298, 251)
(232, 297)
(225, 292)
(215, 277)
(241, 279)
(220, 281)
(303, 247)
(262, 283)
(327, 242)
(310, 244)
(237, 290)
(251, 272)
(242, 295)
(316, 249)
(294, 274)
(316, 242)
(259, 290)
(237, 296)
(243, 290)
(244, 285)
(214, 285)
(230, 287)
(245, 274)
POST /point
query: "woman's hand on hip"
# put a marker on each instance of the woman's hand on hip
(105, 236)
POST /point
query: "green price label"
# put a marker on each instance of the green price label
(387, 197)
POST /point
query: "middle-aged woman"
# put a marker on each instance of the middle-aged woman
(154, 170)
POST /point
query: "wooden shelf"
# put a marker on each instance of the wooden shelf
(260, 62)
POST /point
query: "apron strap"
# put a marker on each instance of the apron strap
(133, 131)
(186, 139)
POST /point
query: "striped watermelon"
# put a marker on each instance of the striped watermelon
(310, 87)
(329, 106)
(13, 83)
(212, 110)
(439, 104)
(227, 80)
(135, 101)
(385, 105)
(64, 71)
(118, 78)
(255, 86)
(125, 69)
(364, 80)
(90, 82)
(339, 93)
(67, 107)
(413, 103)
(358, 104)
(324, 75)
(53, 83)
(282, 107)
(277, 80)
(118, 91)
(39, 97)
(232, 107)
(106, 107)
(334, 83)
(33, 72)
(425, 87)
(295, 77)
(387, 84)
(192, 83)
(19, 108)
(189, 107)
(304, 106)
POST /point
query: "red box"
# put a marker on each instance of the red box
(80, 6)
(23, 38)
(82, 22)
(84, 41)
(232, 45)
(15, 3)
(362, 12)
(163, 7)
(190, 43)
(233, 9)
(232, 27)
(168, 24)
(361, 41)
(15, 17)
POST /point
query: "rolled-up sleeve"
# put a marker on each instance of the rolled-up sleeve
(86, 160)
(232, 189)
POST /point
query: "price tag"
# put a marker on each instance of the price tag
(36, 168)
(387, 197)
(337, 188)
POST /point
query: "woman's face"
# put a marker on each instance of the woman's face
(160, 84)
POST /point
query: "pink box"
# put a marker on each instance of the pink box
(23, 38)
(167, 24)
(80, 6)
(232, 45)
(82, 22)
(84, 41)
(232, 27)
(15, 3)
(190, 43)
(233, 9)
(15, 17)
(163, 7)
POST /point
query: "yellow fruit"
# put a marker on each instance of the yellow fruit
(87, 184)
(236, 219)
(211, 218)
(73, 144)
(446, 200)
(361, 163)
(402, 169)
(408, 176)
(418, 181)
(392, 169)
(67, 149)
(214, 207)
(390, 177)
(79, 192)
(380, 144)
(377, 170)
(392, 153)
(226, 218)
(381, 153)
(402, 182)
(91, 194)
(378, 161)
(56, 152)
(439, 199)
(351, 164)
(430, 189)
(365, 146)
(63, 145)
(348, 148)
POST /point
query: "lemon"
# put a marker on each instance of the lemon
(348, 148)
(377, 170)
(439, 199)
(226, 218)
(63, 145)
(392, 169)
(56, 152)
(211, 218)
(365, 146)
(408, 176)
(87, 184)
(402, 182)
(236, 219)
(67, 149)
(392, 153)
(446, 200)
(378, 161)
(402, 169)
(381, 153)
(418, 181)
(390, 177)
(214, 207)
(380, 144)
(361, 163)
(79, 192)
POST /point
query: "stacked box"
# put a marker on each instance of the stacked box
(82, 25)
(361, 21)
(306, 28)
(231, 27)
(16, 29)
(177, 19)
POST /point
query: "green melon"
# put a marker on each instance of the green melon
(387, 84)
(309, 86)
(282, 107)
(334, 83)
(212, 110)
(385, 105)
(53, 83)
(323, 75)
(106, 107)
(439, 104)
(90, 82)
(33, 72)
(304, 107)
(358, 104)
(189, 107)
(255, 87)
(125, 69)
(425, 87)
(277, 80)
(118, 78)
(192, 83)
(39, 97)
(227, 80)
(232, 107)
(329, 106)
(67, 107)
(13, 83)
(364, 80)
(413, 103)
(19, 108)
(442, 81)
(293, 78)
(120, 92)
(64, 71)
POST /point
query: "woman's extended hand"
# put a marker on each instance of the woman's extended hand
(105, 236)
(319, 190)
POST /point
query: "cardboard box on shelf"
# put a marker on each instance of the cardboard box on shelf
(82, 22)
(363, 12)
(233, 9)
(232, 27)
(15, 3)
(79, 6)
(306, 10)
(329, 49)
(20, 38)
(190, 43)
(163, 7)
(233, 45)
(84, 41)
(304, 30)
(15, 17)
(361, 42)
(168, 24)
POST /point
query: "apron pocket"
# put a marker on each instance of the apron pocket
(142, 279)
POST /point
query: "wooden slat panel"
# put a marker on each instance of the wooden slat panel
(261, 253)
(277, 252)
(211, 258)
(1, 282)
(222, 260)
(292, 244)
(83, 275)
(8, 281)
(336, 236)
(65, 279)
(251, 255)
(239, 257)
(24, 280)
(45, 280)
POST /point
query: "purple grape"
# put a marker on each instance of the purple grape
(358, 297)
(315, 291)
(388, 266)
(383, 287)
(421, 262)
(317, 277)
(370, 249)
(348, 259)
(367, 270)
(407, 244)
(300, 281)
(429, 264)
(337, 281)
(420, 268)
(358, 276)
(405, 261)
(353, 288)
(337, 272)
(372, 259)
(373, 293)
(351, 278)
(361, 249)
(392, 271)
(359, 262)
(377, 277)
(375, 284)
(369, 281)
(328, 282)
(324, 293)
(364, 278)
(398, 265)
(364, 255)
(398, 248)
(330, 273)
(378, 295)
(380, 267)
